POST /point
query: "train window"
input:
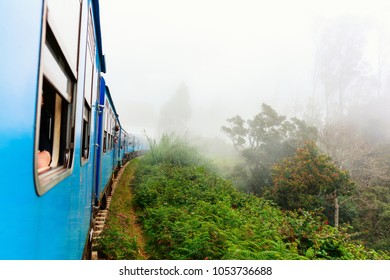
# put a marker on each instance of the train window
(55, 119)
(105, 142)
(108, 128)
(105, 127)
(86, 132)
(88, 91)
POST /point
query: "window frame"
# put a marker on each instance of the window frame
(53, 58)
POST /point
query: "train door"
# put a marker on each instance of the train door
(99, 140)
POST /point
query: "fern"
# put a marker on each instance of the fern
(188, 212)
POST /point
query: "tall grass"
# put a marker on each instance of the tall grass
(172, 149)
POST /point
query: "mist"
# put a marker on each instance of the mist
(263, 88)
(232, 56)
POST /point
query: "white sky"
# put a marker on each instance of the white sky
(233, 55)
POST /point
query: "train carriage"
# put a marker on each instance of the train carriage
(107, 143)
(60, 133)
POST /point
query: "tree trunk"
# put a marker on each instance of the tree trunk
(327, 113)
(336, 209)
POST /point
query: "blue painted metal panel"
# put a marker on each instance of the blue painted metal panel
(54, 225)
(107, 168)
(18, 86)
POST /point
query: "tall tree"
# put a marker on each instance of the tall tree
(339, 59)
(381, 64)
(175, 113)
(367, 158)
(308, 179)
(265, 139)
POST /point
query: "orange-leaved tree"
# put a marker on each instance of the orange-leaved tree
(308, 179)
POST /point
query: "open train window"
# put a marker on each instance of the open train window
(55, 119)
(85, 146)
(56, 122)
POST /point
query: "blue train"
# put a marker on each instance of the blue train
(61, 140)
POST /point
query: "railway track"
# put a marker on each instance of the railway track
(102, 215)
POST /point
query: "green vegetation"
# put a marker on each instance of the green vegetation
(172, 150)
(122, 238)
(310, 180)
(188, 212)
(343, 175)
(263, 141)
(178, 208)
